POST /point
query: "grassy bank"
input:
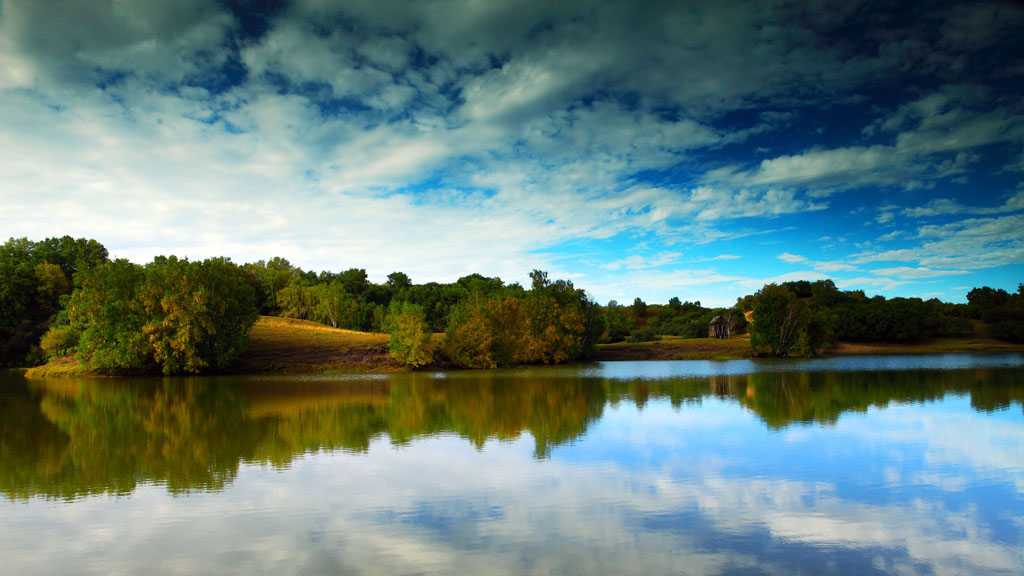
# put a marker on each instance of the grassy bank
(932, 346)
(281, 345)
(676, 348)
(66, 367)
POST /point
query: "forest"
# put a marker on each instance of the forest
(62, 296)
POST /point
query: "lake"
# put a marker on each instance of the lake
(849, 465)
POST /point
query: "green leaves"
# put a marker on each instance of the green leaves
(410, 336)
(180, 316)
(34, 276)
(779, 319)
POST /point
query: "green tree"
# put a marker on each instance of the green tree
(59, 341)
(296, 301)
(469, 335)
(619, 322)
(34, 276)
(109, 315)
(333, 305)
(779, 318)
(489, 332)
(410, 338)
(639, 308)
(198, 314)
(398, 281)
(173, 314)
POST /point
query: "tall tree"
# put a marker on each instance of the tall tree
(779, 317)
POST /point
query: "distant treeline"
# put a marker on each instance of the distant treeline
(805, 318)
(63, 295)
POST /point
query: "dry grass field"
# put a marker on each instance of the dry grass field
(286, 345)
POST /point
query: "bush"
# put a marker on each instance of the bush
(642, 335)
(59, 341)
(410, 337)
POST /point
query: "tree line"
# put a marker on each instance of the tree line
(172, 315)
(805, 318)
(64, 295)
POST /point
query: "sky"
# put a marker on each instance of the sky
(639, 149)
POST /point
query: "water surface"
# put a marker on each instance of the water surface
(841, 466)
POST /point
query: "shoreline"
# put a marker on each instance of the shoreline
(288, 346)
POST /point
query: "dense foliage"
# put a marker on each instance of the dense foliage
(62, 295)
(805, 317)
(784, 323)
(410, 335)
(34, 278)
(690, 319)
(177, 315)
(1003, 311)
(551, 323)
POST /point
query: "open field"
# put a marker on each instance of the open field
(286, 345)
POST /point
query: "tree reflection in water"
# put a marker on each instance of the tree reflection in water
(71, 438)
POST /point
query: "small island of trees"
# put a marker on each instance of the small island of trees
(63, 296)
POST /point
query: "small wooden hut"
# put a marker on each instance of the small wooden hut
(718, 328)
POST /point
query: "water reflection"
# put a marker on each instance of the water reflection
(568, 470)
(69, 438)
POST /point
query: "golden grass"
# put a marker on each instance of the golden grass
(281, 345)
(64, 367)
(288, 345)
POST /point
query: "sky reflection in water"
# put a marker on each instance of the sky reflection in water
(568, 470)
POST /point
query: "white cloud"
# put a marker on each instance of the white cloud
(791, 258)
(947, 207)
(447, 137)
(908, 273)
(969, 244)
(637, 262)
(939, 135)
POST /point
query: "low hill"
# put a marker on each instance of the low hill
(287, 345)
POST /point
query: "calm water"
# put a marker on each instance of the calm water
(911, 465)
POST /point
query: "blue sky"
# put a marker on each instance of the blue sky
(648, 149)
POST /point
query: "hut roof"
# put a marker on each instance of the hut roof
(718, 321)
